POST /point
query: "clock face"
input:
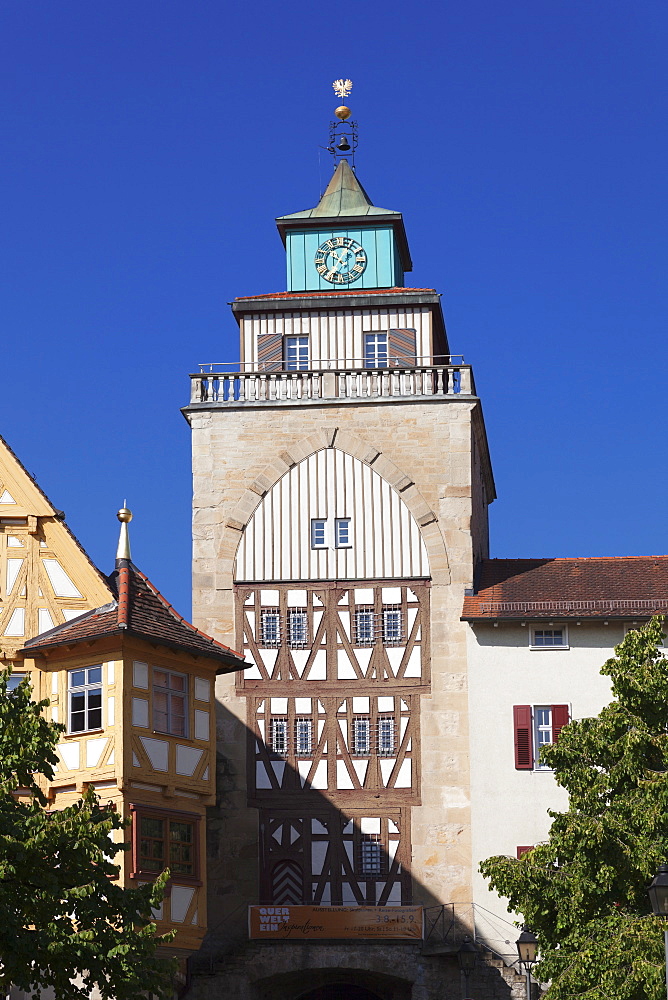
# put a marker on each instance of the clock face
(340, 260)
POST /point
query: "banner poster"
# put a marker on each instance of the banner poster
(302, 923)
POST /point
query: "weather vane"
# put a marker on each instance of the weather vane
(343, 141)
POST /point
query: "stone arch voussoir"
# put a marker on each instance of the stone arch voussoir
(356, 447)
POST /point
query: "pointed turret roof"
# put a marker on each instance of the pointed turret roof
(346, 202)
(344, 196)
(138, 610)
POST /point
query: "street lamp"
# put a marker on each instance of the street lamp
(467, 955)
(658, 897)
(527, 946)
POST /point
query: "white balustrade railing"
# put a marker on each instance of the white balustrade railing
(348, 383)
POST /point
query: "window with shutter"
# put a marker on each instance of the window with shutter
(270, 352)
(523, 850)
(523, 737)
(560, 718)
(402, 348)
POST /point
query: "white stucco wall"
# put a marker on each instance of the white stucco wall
(509, 807)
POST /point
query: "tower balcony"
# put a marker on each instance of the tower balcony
(227, 385)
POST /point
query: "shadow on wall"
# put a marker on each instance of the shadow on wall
(287, 846)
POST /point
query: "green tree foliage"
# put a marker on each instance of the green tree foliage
(584, 891)
(62, 917)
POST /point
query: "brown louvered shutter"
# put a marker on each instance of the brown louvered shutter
(523, 850)
(402, 348)
(523, 737)
(560, 718)
(270, 352)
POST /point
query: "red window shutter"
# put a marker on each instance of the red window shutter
(523, 737)
(560, 718)
(270, 352)
(402, 348)
(523, 850)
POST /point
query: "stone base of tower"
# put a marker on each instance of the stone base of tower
(350, 971)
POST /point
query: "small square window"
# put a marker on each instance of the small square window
(164, 842)
(85, 699)
(385, 735)
(170, 703)
(318, 534)
(295, 351)
(303, 737)
(393, 626)
(279, 737)
(549, 638)
(371, 855)
(14, 680)
(342, 536)
(375, 350)
(297, 628)
(365, 631)
(270, 627)
(361, 736)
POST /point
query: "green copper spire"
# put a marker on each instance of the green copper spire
(344, 198)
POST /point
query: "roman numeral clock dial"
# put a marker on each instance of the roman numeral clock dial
(340, 260)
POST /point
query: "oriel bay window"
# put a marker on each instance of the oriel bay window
(165, 840)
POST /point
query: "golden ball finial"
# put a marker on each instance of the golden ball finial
(124, 515)
(342, 113)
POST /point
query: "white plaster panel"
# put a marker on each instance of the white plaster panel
(344, 668)
(44, 620)
(395, 655)
(297, 599)
(201, 724)
(361, 767)
(343, 779)
(414, 665)
(140, 674)
(391, 595)
(361, 705)
(303, 706)
(158, 752)
(187, 759)
(279, 770)
(394, 897)
(111, 672)
(385, 704)
(16, 624)
(111, 710)
(318, 855)
(370, 824)
(59, 580)
(180, 900)
(318, 669)
(299, 658)
(319, 779)
(404, 774)
(261, 776)
(303, 768)
(386, 765)
(54, 682)
(135, 760)
(54, 713)
(70, 754)
(94, 750)
(269, 598)
(202, 689)
(279, 706)
(140, 712)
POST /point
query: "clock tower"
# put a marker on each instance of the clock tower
(341, 480)
(344, 240)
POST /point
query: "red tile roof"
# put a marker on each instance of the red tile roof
(312, 294)
(139, 610)
(610, 587)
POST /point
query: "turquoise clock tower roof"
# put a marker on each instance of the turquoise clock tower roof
(346, 203)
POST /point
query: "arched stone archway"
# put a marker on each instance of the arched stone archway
(340, 991)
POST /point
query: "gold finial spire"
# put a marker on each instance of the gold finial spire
(342, 89)
(124, 516)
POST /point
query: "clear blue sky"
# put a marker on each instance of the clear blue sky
(149, 145)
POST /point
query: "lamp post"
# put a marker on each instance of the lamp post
(527, 947)
(658, 897)
(467, 955)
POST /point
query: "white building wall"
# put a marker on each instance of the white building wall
(509, 806)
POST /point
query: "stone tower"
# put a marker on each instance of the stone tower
(341, 483)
